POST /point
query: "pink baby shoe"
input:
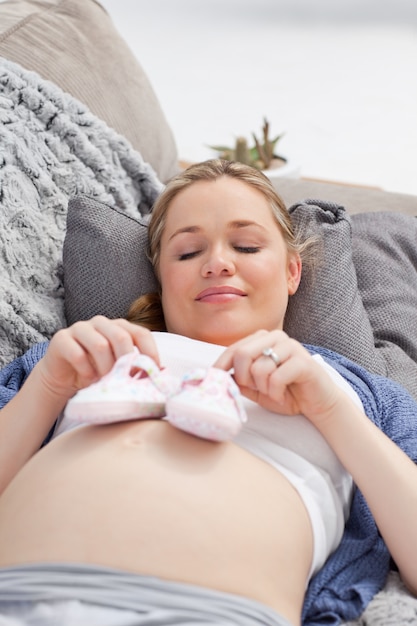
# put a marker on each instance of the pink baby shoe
(208, 404)
(134, 388)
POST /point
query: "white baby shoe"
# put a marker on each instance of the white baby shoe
(134, 388)
(208, 404)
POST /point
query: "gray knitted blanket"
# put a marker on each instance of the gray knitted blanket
(393, 606)
(51, 148)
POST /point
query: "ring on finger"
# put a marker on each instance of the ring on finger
(270, 352)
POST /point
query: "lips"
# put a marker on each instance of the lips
(222, 293)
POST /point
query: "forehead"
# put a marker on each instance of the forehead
(225, 198)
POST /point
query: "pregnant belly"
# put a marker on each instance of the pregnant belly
(145, 497)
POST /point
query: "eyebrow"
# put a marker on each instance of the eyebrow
(234, 225)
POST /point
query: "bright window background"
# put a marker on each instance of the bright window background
(339, 77)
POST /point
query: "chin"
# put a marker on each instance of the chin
(222, 338)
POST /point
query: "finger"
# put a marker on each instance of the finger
(124, 335)
(100, 342)
(107, 340)
(67, 349)
(262, 369)
(94, 349)
(250, 394)
(84, 366)
(282, 406)
(225, 360)
(271, 375)
(292, 384)
(252, 366)
(145, 342)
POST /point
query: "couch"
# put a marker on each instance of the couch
(86, 148)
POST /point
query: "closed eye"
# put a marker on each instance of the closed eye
(243, 249)
(188, 255)
(247, 249)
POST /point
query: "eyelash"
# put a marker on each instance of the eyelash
(247, 249)
(242, 249)
(188, 255)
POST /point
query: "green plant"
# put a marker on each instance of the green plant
(260, 155)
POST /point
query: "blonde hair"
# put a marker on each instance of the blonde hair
(147, 309)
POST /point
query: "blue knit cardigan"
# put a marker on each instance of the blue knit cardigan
(358, 568)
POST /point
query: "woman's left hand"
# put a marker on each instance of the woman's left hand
(285, 380)
(297, 383)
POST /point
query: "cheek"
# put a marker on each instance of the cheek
(271, 280)
(176, 289)
(266, 271)
(166, 274)
(173, 279)
(170, 300)
(175, 297)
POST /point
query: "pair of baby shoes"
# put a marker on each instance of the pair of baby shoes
(205, 402)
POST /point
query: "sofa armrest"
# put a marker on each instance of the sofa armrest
(355, 199)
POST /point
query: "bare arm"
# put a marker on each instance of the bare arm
(387, 478)
(76, 357)
(384, 474)
(24, 423)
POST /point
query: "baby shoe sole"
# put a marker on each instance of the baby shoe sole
(195, 420)
(108, 411)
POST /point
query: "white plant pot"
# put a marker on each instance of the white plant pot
(286, 169)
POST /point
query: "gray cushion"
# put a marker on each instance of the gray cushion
(74, 44)
(361, 300)
(327, 309)
(105, 263)
(336, 306)
(385, 259)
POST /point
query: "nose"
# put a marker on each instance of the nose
(219, 262)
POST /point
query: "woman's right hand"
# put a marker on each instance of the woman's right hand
(76, 357)
(84, 352)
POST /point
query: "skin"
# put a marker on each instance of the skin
(245, 325)
(224, 265)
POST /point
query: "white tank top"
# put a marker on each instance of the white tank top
(291, 444)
